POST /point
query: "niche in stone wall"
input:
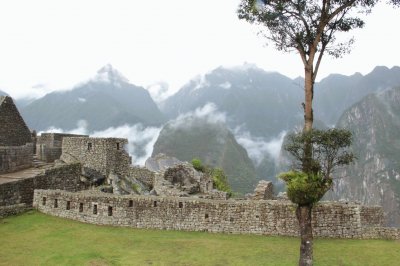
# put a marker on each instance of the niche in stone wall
(155, 203)
(44, 201)
(80, 207)
(89, 146)
(68, 205)
(130, 203)
(95, 209)
(118, 146)
(180, 204)
(55, 203)
(206, 216)
(110, 211)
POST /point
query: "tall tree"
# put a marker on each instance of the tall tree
(309, 28)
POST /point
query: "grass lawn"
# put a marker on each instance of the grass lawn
(36, 239)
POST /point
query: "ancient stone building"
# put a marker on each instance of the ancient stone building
(16, 148)
(100, 156)
(267, 217)
(49, 146)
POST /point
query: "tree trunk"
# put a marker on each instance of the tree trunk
(309, 93)
(303, 214)
(308, 117)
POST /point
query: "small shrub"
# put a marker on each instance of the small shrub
(220, 180)
(198, 165)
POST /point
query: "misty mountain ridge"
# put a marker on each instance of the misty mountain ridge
(107, 100)
(201, 135)
(374, 178)
(263, 103)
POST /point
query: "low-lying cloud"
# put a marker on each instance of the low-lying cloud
(259, 148)
(209, 113)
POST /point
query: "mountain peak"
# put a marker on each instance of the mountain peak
(110, 74)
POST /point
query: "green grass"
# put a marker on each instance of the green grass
(36, 239)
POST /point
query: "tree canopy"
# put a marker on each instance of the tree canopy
(308, 27)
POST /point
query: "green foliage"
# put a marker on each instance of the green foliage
(198, 165)
(306, 26)
(136, 188)
(328, 149)
(304, 189)
(220, 180)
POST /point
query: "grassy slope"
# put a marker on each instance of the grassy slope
(34, 238)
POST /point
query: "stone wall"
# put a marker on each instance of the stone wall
(49, 146)
(13, 210)
(13, 130)
(143, 175)
(266, 217)
(15, 158)
(372, 216)
(66, 177)
(104, 155)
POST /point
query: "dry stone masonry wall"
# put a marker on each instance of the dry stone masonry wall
(268, 217)
(49, 146)
(104, 155)
(13, 130)
(14, 158)
(65, 177)
(16, 149)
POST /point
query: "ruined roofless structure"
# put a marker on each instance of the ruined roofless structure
(13, 130)
(16, 148)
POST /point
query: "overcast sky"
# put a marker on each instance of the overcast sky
(49, 45)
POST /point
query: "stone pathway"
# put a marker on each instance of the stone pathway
(38, 168)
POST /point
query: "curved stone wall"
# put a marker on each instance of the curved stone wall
(267, 217)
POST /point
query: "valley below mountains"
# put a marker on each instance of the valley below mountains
(236, 119)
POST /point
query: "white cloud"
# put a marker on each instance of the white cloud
(209, 113)
(259, 148)
(226, 85)
(82, 100)
(156, 40)
(201, 82)
(141, 139)
(159, 91)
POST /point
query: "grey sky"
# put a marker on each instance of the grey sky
(50, 45)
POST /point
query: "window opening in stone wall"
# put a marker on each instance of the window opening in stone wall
(118, 146)
(68, 205)
(231, 219)
(44, 201)
(89, 146)
(180, 204)
(130, 203)
(109, 211)
(257, 216)
(80, 207)
(56, 203)
(95, 209)
(206, 216)
(155, 203)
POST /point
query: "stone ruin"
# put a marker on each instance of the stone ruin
(16, 146)
(165, 194)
